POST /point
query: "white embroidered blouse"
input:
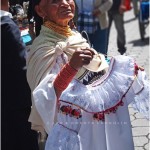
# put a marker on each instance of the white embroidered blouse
(93, 116)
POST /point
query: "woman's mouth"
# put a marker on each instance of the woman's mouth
(66, 11)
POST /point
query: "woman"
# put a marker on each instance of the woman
(96, 10)
(77, 99)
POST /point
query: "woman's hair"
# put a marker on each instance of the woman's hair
(36, 2)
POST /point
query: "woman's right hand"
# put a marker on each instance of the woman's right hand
(81, 57)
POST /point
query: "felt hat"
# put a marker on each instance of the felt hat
(97, 64)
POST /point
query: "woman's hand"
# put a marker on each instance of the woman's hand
(81, 57)
(122, 9)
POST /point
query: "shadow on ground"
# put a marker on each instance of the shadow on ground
(128, 21)
(140, 42)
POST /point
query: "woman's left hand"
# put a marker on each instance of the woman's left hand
(122, 9)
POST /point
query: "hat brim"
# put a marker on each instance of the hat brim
(98, 64)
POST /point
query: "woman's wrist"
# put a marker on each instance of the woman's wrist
(64, 77)
(74, 68)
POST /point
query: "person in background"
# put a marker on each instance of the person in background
(14, 2)
(135, 7)
(15, 92)
(79, 99)
(99, 9)
(116, 14)
(34, 20)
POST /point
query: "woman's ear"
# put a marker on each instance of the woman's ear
(39, 11)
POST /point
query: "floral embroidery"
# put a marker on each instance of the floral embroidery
(68, 110)
(101, 115)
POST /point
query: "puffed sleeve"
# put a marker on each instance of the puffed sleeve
(45, 101)
(138, 95)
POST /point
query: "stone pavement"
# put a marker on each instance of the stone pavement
(141, 52)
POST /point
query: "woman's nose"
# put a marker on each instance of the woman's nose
(65, 2)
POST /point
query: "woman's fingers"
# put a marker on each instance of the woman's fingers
(88, 51)
(81, 57)
(86, 61)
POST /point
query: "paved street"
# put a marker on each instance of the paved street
(141, 52)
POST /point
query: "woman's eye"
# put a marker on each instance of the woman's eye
(56, 1)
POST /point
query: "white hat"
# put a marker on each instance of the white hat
(97, 64)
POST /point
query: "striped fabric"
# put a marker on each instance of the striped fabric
(87, 22)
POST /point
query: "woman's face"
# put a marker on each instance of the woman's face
(58, 11)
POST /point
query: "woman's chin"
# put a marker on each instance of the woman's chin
(67, 17)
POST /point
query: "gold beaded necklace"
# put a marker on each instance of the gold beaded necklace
(66, 31)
